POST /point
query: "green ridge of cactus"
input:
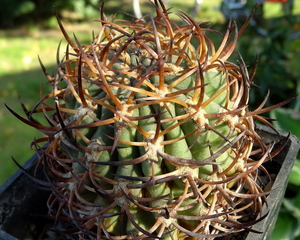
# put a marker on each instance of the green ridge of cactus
(150, 135)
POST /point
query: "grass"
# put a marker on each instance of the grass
(20, 73)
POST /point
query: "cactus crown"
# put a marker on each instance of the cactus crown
(150, 135)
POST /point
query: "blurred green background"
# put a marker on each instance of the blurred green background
(28, 29)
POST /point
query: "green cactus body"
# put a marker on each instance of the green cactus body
(152, 136)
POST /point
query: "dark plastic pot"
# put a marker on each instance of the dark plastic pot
(22, 202)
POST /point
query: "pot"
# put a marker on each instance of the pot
(23, 203)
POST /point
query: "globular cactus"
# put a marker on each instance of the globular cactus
(150, 135)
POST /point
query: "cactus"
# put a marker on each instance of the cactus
(149, 134)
